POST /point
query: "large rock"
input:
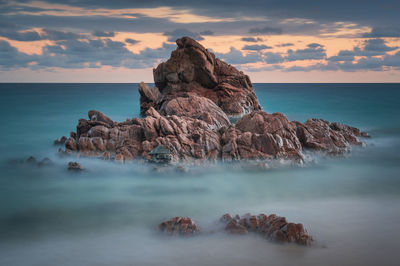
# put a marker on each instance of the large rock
(197, 107)
(332, 138)
(263, 135)
(187, 138)
(194, 70)
(188, 112)
(148, 97)
(192, 133)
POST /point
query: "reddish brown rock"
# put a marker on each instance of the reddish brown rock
(70, 144)
(61, 140)
(272, 227)
(332, 138)
(188, 111)
(100, 117)
(179, 226)
(260, 135)
(148, 97)
(187, 138)
(196, 107)
(193, 70)
(234, 227)
(75, 166)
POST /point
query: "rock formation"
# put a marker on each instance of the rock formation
(190, 112)
(193, 71)
(75, 166)
(179, 226)
(271, 227)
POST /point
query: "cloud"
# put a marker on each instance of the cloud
(383, 32)
(251, 39)
(103, 34)
(83, 54)
(207, 33)
(179, 33)
(46, 34)
(26, 36)
(375, 47)
(236, 57)
(131, 41)
(290, 16)
(371, 47)
(256, 47)
(266, 30)
(55, 35)
(344, 55)
(345, 61)
(273, 58)
(10, 57)
(392, 60)
(314, 51)
(284, 45)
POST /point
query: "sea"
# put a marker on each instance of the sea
(108, 214)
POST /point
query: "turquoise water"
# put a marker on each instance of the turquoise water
(107, 214)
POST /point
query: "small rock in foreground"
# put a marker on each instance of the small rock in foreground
(273, 227)
(75, 166)
(182, 226)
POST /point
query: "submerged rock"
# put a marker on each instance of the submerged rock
(272, 227)
(182, 226)
(190, 112)
(45, 162)
(31, 160)
(75, 166)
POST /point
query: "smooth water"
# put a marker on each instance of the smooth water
(108, 214)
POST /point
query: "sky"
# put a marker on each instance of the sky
(270, 40)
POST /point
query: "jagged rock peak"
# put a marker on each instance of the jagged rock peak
(194, 71)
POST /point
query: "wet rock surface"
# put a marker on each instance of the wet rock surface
(189, 112)
(33, 161)
(75, 166)
(271, 227)
(179, 226)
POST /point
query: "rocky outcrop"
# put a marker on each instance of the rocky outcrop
(60, 141)
(31, 160)
(75, 166)
(332, 138)
(194, 71)
(148, 97)
(197, 107)
(187, 138)
(179, 226)
(271, 227)
(189, 113)
(260, 135)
